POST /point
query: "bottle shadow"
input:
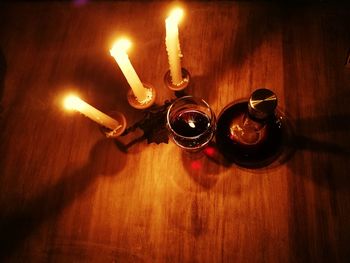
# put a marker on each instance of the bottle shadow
(328, 160)
(203, 167)
(17, 226)
(306, 143)
(296, 141)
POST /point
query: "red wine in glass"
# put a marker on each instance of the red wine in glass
(191, 125)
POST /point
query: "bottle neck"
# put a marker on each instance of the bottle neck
(249, 120)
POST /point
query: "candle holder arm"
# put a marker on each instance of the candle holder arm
(153, 124)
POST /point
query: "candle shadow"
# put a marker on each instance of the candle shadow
(319, 171)
(17, 226)
(323, 136)
(252, 31)
(263, 21)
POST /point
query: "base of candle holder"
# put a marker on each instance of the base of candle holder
(143, 104)
(118, 116)
(186, 79)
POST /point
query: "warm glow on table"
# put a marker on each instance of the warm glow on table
(173, 45)
(69, 193)
(73, 102)
(119, 52)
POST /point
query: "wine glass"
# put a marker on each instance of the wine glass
(191, 123)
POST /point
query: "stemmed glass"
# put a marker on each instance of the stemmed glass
(191, 123)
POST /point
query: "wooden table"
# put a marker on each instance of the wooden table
(67, 194)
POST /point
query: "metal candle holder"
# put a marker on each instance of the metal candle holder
(186, 79)
(142, 105)
(118, 116)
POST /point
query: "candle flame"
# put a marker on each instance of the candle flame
(72, 102)
(121, 46)
(176, 14)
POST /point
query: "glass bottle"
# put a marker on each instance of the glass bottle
(249, 133)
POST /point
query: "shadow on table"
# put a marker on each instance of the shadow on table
(324, 163)
(335, 148)
(204, 167)
(261, 24)
(3, 69)
(212, 157)
(306, 143)
(331, 127)
(50, 203)
(319, 176)
(103, 82)
(103, 85)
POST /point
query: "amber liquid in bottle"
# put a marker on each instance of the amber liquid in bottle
(246, 140)
(246, 131)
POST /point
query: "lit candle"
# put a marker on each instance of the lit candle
(72, 102)
(118, 51)
(173, 45)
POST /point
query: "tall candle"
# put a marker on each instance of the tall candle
(118, 51)
(173, 45)
(75, 103)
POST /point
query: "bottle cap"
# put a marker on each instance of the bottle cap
(262, 104)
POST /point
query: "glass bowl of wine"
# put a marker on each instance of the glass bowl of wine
(191, 123)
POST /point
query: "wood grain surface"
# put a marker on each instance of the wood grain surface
(67, 194)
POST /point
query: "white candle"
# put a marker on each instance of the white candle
(75, 103)
(173, 45)
(118, 51)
